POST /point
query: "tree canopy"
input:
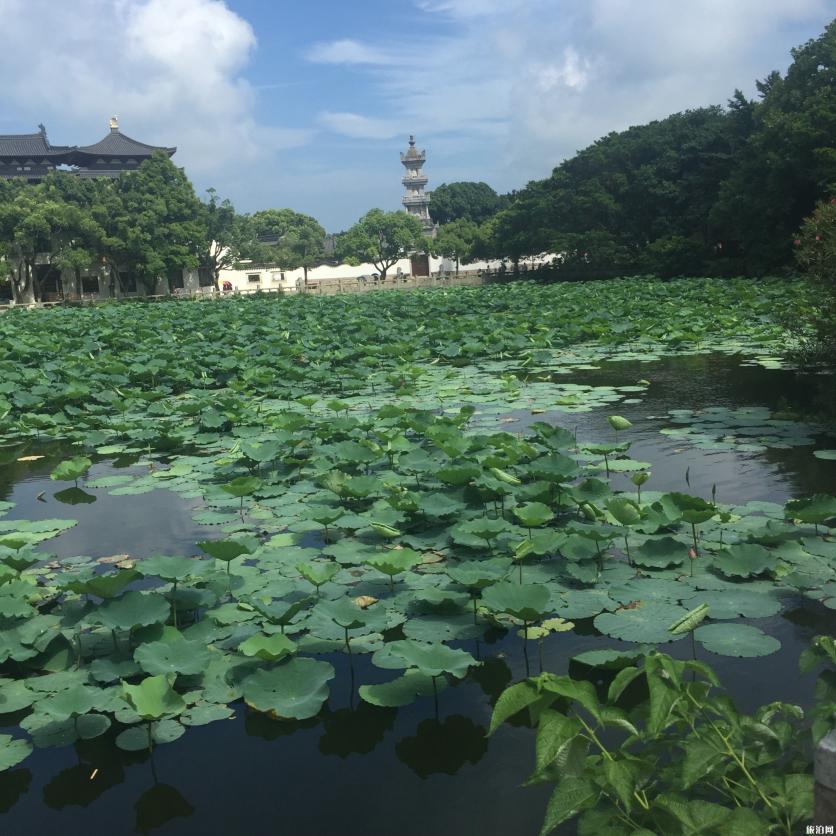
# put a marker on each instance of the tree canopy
(465, 200)
(382, 238)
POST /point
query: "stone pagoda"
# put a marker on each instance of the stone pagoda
(416, 201)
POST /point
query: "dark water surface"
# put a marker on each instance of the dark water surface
(356, 769)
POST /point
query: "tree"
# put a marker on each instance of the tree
(285, 237)
(455, 240)
(223, 236)
(159, 223)
(465, 200)
(382, 238)
(815, 254)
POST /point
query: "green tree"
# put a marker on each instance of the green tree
(465, 200)
(815, 254)
(224, 236)
(382, 238)
(455, 240)
(283, 236)
(159, 224)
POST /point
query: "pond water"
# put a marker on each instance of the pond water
(414, 770)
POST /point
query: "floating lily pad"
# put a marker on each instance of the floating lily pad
(741, 640)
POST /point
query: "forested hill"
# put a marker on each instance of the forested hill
(718, 190)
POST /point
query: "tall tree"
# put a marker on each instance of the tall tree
(224, 236)
(382, 238)
(160, 225)
(465, 200)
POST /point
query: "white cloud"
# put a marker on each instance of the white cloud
(357, 126)
(346, 52)
(171, 70)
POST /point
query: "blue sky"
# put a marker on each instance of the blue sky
(307, 104)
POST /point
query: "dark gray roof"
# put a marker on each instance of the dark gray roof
(29, 145)
(117, 144)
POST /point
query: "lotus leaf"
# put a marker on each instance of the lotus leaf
(71, 469)
(294, 690)
(173, 655)
(741, 640)
(528, 602)
(744, 561)
(660, 553)
(428, 659)
(642, 621)
(154, 698)
(401, 691)
(13, 751)
(133, 609)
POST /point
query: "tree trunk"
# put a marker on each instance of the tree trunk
(305, 268)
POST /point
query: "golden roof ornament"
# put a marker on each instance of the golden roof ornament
(114, 123)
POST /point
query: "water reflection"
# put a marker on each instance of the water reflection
(74, 496)
(443, 747)
(355, 731)
(159, 805)
(13, 785)
(99, 768)
(261, 725)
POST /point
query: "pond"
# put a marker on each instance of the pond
(427, 766)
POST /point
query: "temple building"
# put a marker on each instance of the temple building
(32, 156)
(416, 201)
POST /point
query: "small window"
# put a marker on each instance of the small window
(254, 278)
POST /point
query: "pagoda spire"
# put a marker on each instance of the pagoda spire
(416, 201)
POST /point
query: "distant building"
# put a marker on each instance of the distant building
(32, 156)
(416, 201)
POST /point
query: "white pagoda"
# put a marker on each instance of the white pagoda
(416, 201)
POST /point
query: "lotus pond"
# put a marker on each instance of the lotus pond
(267, 565)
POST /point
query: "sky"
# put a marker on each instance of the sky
(306, 105)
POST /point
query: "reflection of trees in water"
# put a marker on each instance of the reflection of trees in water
(443, 747)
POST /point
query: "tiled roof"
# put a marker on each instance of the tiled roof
(117, 144)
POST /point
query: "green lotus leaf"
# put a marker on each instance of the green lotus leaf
(401, 691)
(826, 455)
(203, 713)
(71, 469)
(610, 659)
(14, 696)
(172, 568)
(318, 573)
(528, 602)
(133, 609)
(625, 511)
(13, 751)
(477, 574)
(110, 670)
(744, 560)
(554, 468)
(394, 561)
(154, 698)
(107, 585)
(816, 509)
(294, 690)
(741, 640)
(71, 702)
(175, 655)
(643, 622)
(691, 509)
(660, 553)
(439, 505)
(428, 659)
(269, 648)
(749, 603)
(583, 603)
(242, 486)
(438, 627)
(90, 726)
(533, 514)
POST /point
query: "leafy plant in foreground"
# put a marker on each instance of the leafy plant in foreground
(665, 751)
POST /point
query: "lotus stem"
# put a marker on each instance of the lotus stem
(520, 571)
(474, 607)
(347, 642)
(694, 535)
